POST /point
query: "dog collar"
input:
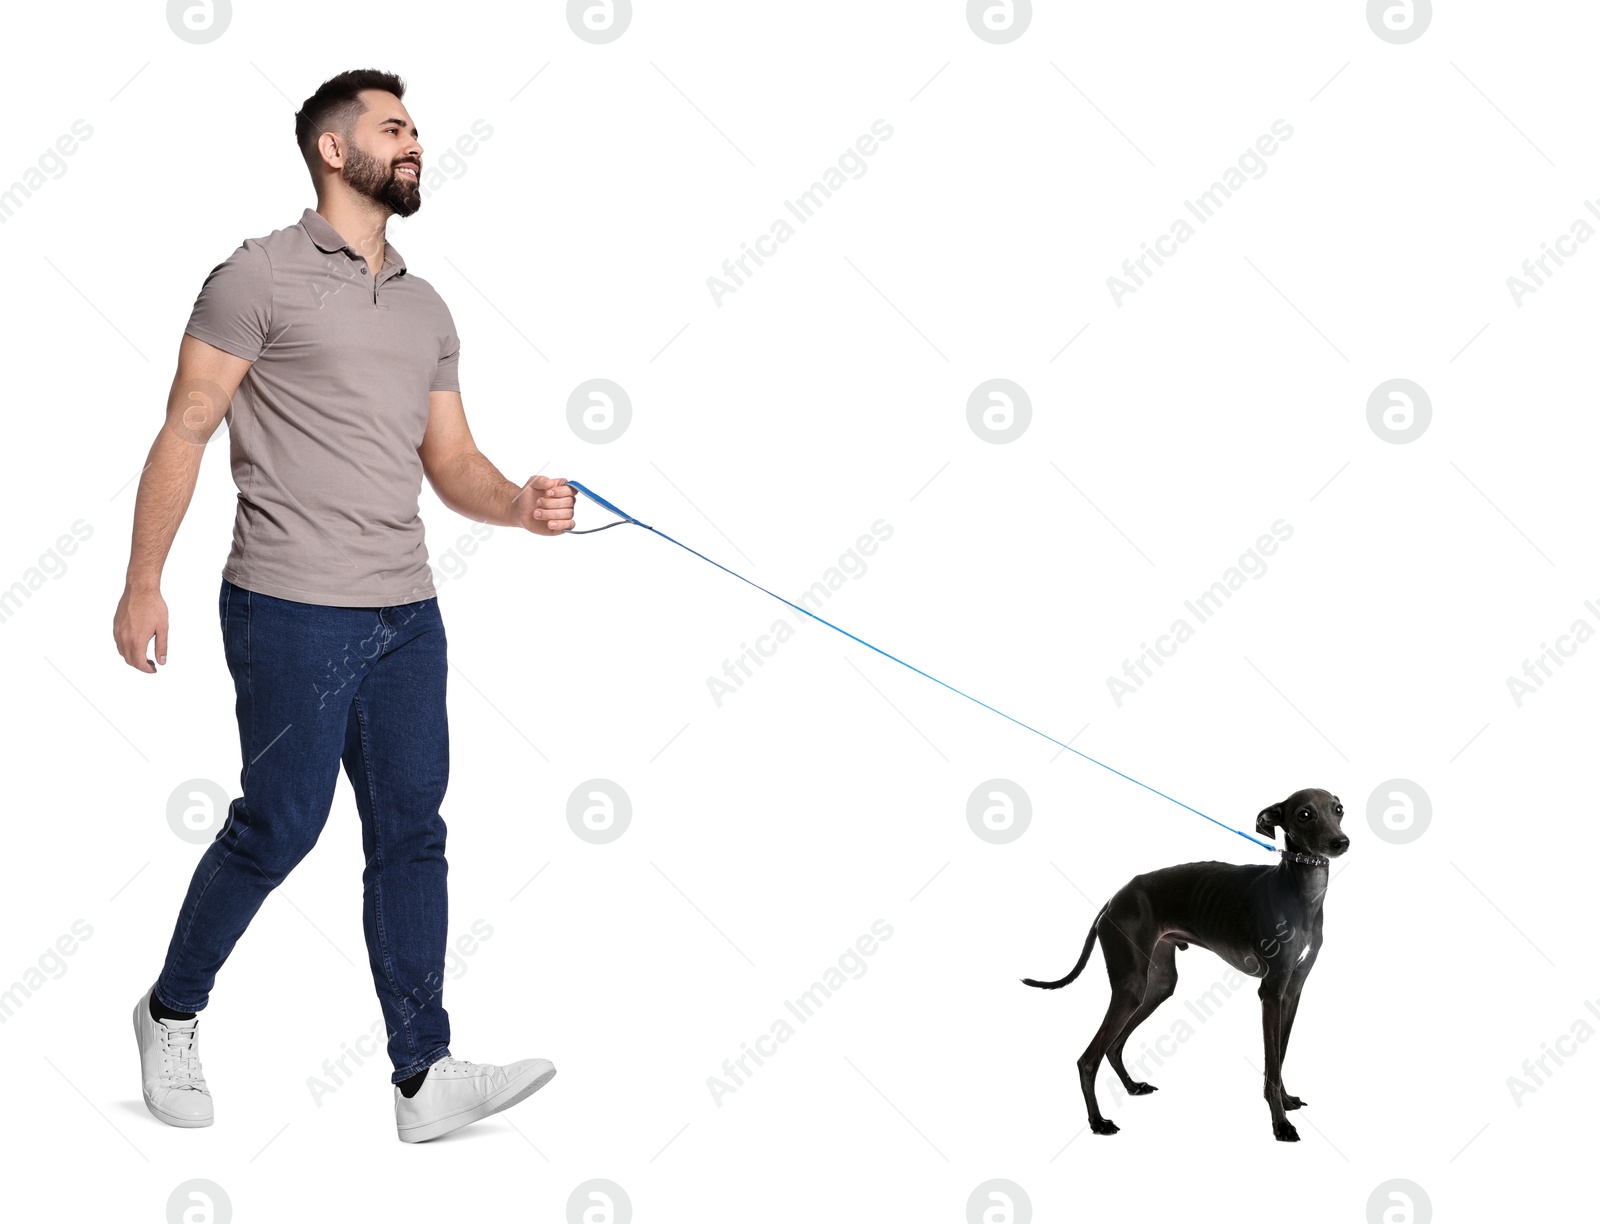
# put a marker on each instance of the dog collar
(1295, 856)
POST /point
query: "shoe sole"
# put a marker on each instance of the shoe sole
(161, 1115)
(538, 1076)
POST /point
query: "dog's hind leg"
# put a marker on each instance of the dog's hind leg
(1162, 981)
(1128, 967)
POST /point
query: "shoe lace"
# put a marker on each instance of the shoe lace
(180, 1057)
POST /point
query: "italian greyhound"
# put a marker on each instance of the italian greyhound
(1264, 921)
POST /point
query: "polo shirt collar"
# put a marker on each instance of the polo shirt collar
(329, 239)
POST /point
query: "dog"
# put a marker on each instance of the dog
(1265, 921)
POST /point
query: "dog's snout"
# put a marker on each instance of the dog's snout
(1340, 844)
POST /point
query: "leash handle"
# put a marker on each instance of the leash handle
(600, 501)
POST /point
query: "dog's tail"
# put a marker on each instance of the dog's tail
(1088, 946)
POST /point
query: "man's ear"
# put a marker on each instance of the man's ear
(1268, 820)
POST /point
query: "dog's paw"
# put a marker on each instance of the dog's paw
(1141, 1089)
(1103, 1126)
(1285, 1131)
(1292, 1102)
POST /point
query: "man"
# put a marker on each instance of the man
(336, 369)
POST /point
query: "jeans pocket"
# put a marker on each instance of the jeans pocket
(234, 611)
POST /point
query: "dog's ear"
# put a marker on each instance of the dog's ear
(1268, 820)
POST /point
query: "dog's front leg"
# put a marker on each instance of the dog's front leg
(1291, 1006)
(1272, 1012)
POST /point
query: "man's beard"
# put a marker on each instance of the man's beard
(380, 181)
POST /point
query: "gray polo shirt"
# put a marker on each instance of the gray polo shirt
(323, 431)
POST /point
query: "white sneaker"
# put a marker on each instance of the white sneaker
(456, 1092)
(169, 1057)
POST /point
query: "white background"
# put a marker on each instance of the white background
(769, 432)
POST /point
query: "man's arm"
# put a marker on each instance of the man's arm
(202, 389)
(470, 485)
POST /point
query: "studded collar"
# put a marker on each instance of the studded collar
(1295, 856)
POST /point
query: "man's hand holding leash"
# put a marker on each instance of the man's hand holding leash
(544, 505)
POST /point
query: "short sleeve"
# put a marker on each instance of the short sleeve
(234, 309)
(446, 375)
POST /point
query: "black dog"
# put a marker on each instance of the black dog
(1264, 921)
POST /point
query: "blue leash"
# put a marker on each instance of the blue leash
(628, 518)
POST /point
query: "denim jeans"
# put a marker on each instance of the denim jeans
(317, 685)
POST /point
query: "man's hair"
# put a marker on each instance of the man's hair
(336, 106)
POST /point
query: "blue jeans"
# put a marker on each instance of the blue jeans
(317, 685)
